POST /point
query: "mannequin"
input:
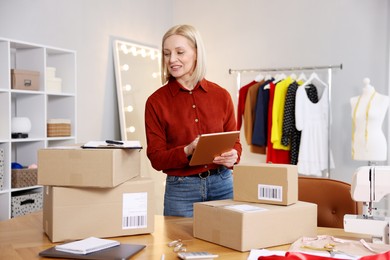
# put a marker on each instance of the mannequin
(368, 113)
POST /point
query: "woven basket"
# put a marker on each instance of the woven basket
(55, 130)
(24, 177)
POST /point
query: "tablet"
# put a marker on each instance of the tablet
(211, 145)
(123, 251)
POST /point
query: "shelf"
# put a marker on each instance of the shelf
(37, 105)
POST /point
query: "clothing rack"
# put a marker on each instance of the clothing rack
(329, 69)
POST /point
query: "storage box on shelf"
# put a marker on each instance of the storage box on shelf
(53, 83)
(24, 92)
(58, 127)
(27, 201)
(24, 177)
(24, 79)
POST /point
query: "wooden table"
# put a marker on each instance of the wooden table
(23, 238)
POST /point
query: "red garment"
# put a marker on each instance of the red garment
(303, 256)
(274, 155)
(241, 102)
(175, 116)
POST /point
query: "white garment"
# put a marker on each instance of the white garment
(368, 140)
(312, 119)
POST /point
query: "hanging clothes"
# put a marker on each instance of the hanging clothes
(312, 120)
(242, 93)
(277, 113)
(260, 132)
(290, 134)
(249, 117)
(274, 155)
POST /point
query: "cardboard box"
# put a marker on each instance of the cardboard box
(245, 226)
(77, 167)
(24, 79)
(266, 183)
(78, 213)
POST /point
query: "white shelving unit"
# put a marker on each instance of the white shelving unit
(38, 106)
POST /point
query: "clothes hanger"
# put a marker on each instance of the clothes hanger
(259, 78)
(312, 77)
(302, 77)
(293, 76)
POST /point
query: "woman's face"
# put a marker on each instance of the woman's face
(179, 57)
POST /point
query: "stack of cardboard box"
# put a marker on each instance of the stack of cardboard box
(264, 212)
(94, 192)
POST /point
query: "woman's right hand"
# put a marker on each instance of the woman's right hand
(189, 149)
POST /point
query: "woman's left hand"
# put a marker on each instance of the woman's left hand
(227, 159)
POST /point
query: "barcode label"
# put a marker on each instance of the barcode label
(270, 192)
(135, 210)
(134, 222)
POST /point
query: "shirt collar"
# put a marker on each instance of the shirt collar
(175, 86)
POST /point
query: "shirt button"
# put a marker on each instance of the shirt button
(190, 92)
(196, 120)
(193, 106)
(205, 166)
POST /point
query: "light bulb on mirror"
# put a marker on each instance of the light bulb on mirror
(131, 129)
(129, 108)
(124, 49)
(127, 87)
(125, 67)
(133, 50)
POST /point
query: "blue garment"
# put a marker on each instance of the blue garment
(182, 192)
(260, 124)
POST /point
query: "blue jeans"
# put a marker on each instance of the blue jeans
(182, 192)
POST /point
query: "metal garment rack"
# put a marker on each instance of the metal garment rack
(329, 69)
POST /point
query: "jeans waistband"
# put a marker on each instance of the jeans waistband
(207, 173)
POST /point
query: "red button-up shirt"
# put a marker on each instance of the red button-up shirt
(175, 116)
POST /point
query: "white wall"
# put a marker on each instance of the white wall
(238, 34)
(87, 27)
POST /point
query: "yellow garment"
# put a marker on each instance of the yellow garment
(278, 113)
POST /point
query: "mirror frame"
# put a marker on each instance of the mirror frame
(125, 47)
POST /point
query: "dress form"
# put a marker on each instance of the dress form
(368, 113)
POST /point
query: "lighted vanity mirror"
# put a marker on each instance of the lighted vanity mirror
(137, 72)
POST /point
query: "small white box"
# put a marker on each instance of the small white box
(54, 85)
(50, 72)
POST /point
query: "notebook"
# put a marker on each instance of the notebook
(211, 145)
(123, 251)
(87, 245)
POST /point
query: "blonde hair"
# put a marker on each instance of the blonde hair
(194, 37)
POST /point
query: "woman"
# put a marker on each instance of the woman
(177, 113)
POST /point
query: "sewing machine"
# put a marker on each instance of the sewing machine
(370, 184)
